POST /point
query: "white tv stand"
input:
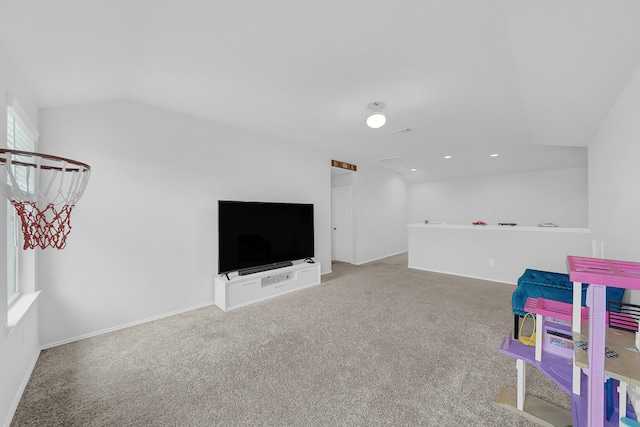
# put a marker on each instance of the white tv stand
(238, 291)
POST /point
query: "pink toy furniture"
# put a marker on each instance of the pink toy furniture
(599, 273)
(559, 339)
(553, 323)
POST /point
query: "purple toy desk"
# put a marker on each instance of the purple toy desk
(599, 273)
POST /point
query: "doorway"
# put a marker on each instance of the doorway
(342, 224)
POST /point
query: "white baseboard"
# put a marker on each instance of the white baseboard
(463, 275)
(380, 257)
(23, 386)
(126, 325)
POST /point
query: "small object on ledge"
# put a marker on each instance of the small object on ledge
(426, 220)
(548, 224)
(509, 224)
(479, 223)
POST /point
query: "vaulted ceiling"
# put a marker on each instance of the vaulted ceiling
(528, 80)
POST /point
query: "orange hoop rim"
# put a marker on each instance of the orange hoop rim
(81, 165)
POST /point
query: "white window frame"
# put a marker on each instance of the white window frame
(21, 135)
(13, 266)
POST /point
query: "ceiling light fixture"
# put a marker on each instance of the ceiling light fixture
(447, 156)
(377, 118)
(494, 155)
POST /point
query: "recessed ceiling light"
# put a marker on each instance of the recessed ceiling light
(413, 169)
(494, 155)
(447, 157)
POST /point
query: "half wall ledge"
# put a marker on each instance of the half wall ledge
(491, 252)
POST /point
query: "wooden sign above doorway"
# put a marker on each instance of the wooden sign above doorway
(343, 165)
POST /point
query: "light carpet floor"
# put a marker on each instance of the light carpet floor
(373, 345)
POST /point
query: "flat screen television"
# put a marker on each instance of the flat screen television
(258, 236)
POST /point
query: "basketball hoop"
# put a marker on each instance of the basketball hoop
(43, 189)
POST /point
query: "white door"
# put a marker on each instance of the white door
(342, 224)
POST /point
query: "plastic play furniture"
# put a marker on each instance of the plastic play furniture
(552, 317)
(555, 367)
(586, 376)
(600, 273)
(628, 422)
(549, 286)
(553, 322)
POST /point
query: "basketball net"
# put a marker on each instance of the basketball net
(44, 190)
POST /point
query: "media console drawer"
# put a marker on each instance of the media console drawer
(308, 276)
(239, 291)
(277, 288)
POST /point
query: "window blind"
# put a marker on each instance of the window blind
(21, 135)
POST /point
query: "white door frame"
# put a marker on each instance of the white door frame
(342, 224)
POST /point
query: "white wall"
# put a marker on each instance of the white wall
(614, 174)
(144, 239)
(558, 196)
(492, 252)
(380, 203)
(18, 346)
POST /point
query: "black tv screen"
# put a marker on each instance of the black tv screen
(260, 234)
